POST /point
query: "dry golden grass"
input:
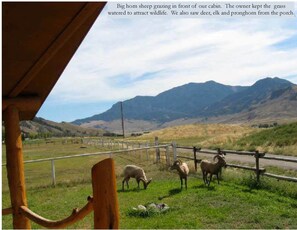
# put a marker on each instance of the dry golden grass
(205, 135)
(225, 136)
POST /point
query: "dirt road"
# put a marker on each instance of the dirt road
(232, 158)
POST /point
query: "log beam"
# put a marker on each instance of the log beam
(15, 167)
(22, 103)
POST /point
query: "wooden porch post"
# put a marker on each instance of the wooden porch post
(105, 200)
(15, 166)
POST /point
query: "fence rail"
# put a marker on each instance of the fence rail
(257, 155)
(124, 147)
(110, 153)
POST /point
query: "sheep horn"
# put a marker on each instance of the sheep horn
(179, 161)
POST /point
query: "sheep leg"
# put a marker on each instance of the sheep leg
(205, 178)
(127, 180)
(218, 178)
(123, 184)
(181, 183)
(209, 179)
(186, 183)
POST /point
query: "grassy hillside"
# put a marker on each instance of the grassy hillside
(277, 138)
(205, 135)
(40, 127)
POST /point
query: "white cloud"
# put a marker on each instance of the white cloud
(235, 52)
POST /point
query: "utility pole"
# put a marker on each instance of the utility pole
(122, 115)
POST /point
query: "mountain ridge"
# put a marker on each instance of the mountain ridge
(194, 100)
(160, 108)
(268, 100)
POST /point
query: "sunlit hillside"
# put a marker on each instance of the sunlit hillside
(279, 140)
(206, 135)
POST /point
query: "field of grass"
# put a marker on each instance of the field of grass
(200, 134)
(278, 140)
(271, 204)
(238, 202)
(228, 205)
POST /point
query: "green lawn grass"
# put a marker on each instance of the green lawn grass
(228, 205)
(238, 202)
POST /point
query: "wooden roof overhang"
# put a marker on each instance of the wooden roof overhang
(38, 41)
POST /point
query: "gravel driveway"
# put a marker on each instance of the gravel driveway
(233, 158)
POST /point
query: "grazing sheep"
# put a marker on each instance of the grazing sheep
(183, 171)
(212, 168)
(137, 173)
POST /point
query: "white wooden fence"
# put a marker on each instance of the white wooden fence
(110, 153)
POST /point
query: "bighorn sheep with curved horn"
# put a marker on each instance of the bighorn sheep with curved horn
(183, 171)
(137, 173)
(211, 168)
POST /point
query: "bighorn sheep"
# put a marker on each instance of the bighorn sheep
(183, 171)
(137, 173)
(212, 168)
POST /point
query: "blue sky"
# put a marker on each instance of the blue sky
(121, 58)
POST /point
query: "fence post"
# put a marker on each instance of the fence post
(53, 173)
(257, 165)
(146, 151)
(167, 155)
(157, 150)
(174, 150)
(195, 157)
(220, 171)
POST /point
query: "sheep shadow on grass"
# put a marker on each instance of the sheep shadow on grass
(203, 186)
(130, 190)
(171, 192)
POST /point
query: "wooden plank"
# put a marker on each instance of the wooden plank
(195, 158)
(106, 210)
(158, 157)
(22, 103)
(174, 151)
(245, 167)
(76, 215)
(208, 151)
(292, 179)
(189, 158)
(280, 159)
(90, 154)
(183, 147)
(239, 152)
(86, 11)
(15, 167)
(257, 165)
(167, 156)
(6, 211)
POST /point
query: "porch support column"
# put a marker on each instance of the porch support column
(15, 166)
